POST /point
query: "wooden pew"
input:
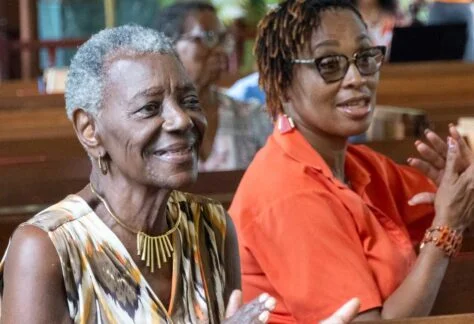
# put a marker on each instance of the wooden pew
(40, 149)
(32, 101)
(19, 88)
(456, 294)
(30, 123)
(27, 166)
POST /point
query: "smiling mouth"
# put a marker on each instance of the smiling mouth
(357, 108)
(177, 155)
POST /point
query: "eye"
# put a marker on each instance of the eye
(369, 58)
(191, 102)
(330, 64)
(150, 109)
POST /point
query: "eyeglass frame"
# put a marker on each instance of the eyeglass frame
(350, 61)
(203, 35)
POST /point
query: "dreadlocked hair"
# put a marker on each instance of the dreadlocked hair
(282, 34)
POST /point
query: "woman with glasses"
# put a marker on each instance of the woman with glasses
(319, 220)
(236, 130)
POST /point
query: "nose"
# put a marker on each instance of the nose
(353, 78)
(176, 119)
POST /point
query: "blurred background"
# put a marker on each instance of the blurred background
(37, 34)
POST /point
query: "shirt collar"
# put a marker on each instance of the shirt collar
(297, 147)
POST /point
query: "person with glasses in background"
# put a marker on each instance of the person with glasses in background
(320, 220)
(236, 130)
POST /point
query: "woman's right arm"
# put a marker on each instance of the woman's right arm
(33, 291)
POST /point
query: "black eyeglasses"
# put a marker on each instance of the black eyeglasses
(333, 68)
(210, 39)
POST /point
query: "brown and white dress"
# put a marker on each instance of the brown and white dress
(104, 285)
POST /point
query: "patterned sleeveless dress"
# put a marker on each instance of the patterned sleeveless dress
(104, 285)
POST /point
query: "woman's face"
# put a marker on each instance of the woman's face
(336, 109)
(204, 63)
(151, 124)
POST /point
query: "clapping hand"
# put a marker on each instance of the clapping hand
(255, 312)
(433, 160)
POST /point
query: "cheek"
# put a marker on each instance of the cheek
(324, 97)
(200, 122)
(373, 84)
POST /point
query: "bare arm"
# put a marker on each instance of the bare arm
(232, 260)
(34, 290)
(417, 294)
(455, 208)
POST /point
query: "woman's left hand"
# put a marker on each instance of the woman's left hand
(433, 160)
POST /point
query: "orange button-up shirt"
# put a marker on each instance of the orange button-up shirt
(312, 242)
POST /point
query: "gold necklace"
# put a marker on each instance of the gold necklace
(150, 248)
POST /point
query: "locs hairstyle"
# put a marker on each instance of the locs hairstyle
(281, 36)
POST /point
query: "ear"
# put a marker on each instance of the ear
(285, 96)
(285, 99)
(85, 127)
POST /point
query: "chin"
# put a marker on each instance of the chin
(173, 176)
(180, 180)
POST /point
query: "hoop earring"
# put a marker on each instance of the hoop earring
(102, 164)
(285, 124)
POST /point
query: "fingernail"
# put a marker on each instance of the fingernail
(410, 202)
(263, 297)
(450, 125)
(409, 160)
(417, 142)
(263, 317)
(270, 303)
(427, 130)
(451, 143)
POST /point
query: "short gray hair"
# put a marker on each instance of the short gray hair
(85, 81)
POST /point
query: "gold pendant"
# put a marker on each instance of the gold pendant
(154, 249)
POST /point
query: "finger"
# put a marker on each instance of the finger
(264, 316)
(453, 131)
(235, 302)
(430, 154)
(422, 198)
(466, 152)
(257, 310)
(426, 168)
(438, 144)
(451, 173)
(345, 314)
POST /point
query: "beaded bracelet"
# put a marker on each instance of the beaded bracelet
(445, 238)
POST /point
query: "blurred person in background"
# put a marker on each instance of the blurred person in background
(381, 16)
(236, 130)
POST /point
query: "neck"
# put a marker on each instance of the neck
(332, 149)
(140, 207)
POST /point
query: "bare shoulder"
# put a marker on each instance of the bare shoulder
(33, 289)
(31, 246)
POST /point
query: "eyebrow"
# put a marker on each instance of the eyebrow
(157, 91)
(334, 42)
(150, 92)
(187, 87)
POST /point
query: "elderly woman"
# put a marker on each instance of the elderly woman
(319, 220)
(128, 247)
(236, 130)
